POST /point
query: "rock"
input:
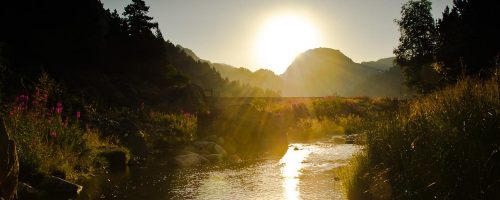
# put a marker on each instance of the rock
(207, 147)
(9, 165)
(235, 158)
(339, 140)
(217, 149)
(117, 158)
(214, 138)
(58, 188)
(25, 191)
(190, 160)
(215, 158)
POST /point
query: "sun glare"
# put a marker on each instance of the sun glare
(281, 39)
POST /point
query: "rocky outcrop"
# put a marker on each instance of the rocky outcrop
(9, 165)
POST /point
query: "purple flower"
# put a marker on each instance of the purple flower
(59, 108)
(53, 134)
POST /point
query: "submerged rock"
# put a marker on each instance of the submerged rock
(117, 158)
(9, 165)
(190, 160)
(215, 158)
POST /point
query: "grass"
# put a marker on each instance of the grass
(168, 127)
(51, 140)
(441, 146)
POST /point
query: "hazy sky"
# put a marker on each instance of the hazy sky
(227, 30)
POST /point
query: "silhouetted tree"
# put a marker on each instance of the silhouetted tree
(469, 39)
(416, 44)
(139, 23)
(118, 28)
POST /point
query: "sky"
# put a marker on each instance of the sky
(229, 31)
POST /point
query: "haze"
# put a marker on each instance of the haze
(227, 31)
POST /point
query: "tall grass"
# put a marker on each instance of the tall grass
(48, 139)
(180, 127)
(441, 146)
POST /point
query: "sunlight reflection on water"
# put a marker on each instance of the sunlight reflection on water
(292, 164)
(304, 172)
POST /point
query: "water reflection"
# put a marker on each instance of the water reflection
(292, 164)
(302, 173)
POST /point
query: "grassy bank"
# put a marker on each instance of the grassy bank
(441, 146)
(51, 138)
(255, 125)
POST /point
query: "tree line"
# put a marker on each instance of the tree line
(98, 53)
(464, 42)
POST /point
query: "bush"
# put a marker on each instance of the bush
(174, 126)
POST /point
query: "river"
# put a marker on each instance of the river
(304, 172)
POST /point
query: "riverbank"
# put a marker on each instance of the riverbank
(440, 146)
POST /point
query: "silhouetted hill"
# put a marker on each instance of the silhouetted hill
(189, 52)
(382, 64)
(325, 72)
(262, 78)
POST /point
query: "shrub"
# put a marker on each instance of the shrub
(175, 126)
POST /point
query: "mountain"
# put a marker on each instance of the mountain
(383, 64)
(262, 78)
(324, 72)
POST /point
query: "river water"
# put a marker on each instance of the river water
(304, 172)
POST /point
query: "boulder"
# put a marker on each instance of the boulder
(58, 188)
(117, 158)
(207, 147)
(215, 158)
(235, 158)
(9, 165)
(25, 191)
(190, 160)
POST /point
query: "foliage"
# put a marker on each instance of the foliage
(49, 138)
(416, 44)
(174, 127)
(307, 129)
(444, 145)
(468, 42)
(138, 22)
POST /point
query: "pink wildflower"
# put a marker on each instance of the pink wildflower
(77, 115)
(59, 108)
(53, 134)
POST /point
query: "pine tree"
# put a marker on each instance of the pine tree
(139, 23)
(469, 39)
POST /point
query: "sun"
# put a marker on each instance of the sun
(281, 39)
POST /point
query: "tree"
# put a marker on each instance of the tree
(117, 26)
(468, 39)
(416, 44)
(139, 23)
